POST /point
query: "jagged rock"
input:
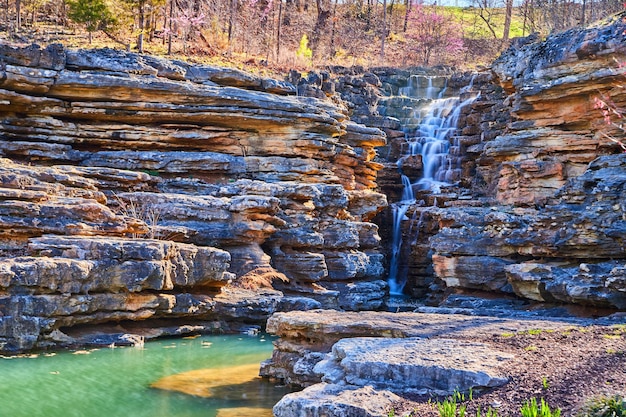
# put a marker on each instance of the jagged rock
(477, 272)
(553, 83)
(588, 283)
(329, 400)
(582, 224)
(413, 365)
(359, 296)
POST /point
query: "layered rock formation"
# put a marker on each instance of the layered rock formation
(526, 182)
(554, 228)
(135, 188)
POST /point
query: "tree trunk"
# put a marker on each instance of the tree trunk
(280, 20)
(18, 15)
(142, 18)
(333, 51)
(169, 32)
(323, 14)
(507, 21)
(384, 34)
(232, 20)
(582, 15)
(407, 5)
(525, 18)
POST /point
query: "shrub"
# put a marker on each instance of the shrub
(609, 406)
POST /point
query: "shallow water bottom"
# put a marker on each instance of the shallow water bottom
(117, 382)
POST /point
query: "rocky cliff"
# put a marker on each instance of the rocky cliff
(138, 190)
(533, 203)
(555, 222)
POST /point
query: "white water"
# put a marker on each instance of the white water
(436, 126)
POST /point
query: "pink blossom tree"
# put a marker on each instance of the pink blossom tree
(430, 33)
(187, 22)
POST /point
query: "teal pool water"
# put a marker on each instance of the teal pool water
(116, 382)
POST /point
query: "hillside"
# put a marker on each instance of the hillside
(273, 37)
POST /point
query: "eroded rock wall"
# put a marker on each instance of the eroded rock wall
(552, 228)
(134, 188)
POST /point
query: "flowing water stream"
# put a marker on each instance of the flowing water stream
(429, 133)
(116, 382)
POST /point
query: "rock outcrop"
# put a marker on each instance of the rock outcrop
(307, 337)
(404, 354)
(328, 400)
(532, 202)
(553, 229)
(134, 188)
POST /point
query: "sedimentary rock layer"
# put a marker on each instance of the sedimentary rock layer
(554, 228)
(136, 188)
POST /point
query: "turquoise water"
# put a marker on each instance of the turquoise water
(115, 382)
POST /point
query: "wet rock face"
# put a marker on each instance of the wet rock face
(136, 188)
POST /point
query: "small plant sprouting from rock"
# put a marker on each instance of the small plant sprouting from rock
(544, 383)
(532, 409)
(130, 207)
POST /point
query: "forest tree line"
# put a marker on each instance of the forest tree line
(307, 32)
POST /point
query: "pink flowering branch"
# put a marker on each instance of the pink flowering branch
(612, 115)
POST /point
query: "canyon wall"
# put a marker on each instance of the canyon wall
(532, 205)
(141, 196)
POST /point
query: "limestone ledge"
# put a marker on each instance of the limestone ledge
(134, 188)
(306, 337)
(571, 250)
(364, 363)
(555, 131)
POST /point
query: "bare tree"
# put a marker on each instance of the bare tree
(323, 14)
(507, 20)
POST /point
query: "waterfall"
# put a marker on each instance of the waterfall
(396, 282)
(436, 124)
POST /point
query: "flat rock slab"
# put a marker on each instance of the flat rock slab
(203, 382)
(415, 365)
(330, 400)
(320, 329)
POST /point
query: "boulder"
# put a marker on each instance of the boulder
(414, 365)
(330, 400)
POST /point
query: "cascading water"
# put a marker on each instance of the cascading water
(430, 138)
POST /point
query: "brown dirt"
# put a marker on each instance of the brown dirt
(566, 368)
